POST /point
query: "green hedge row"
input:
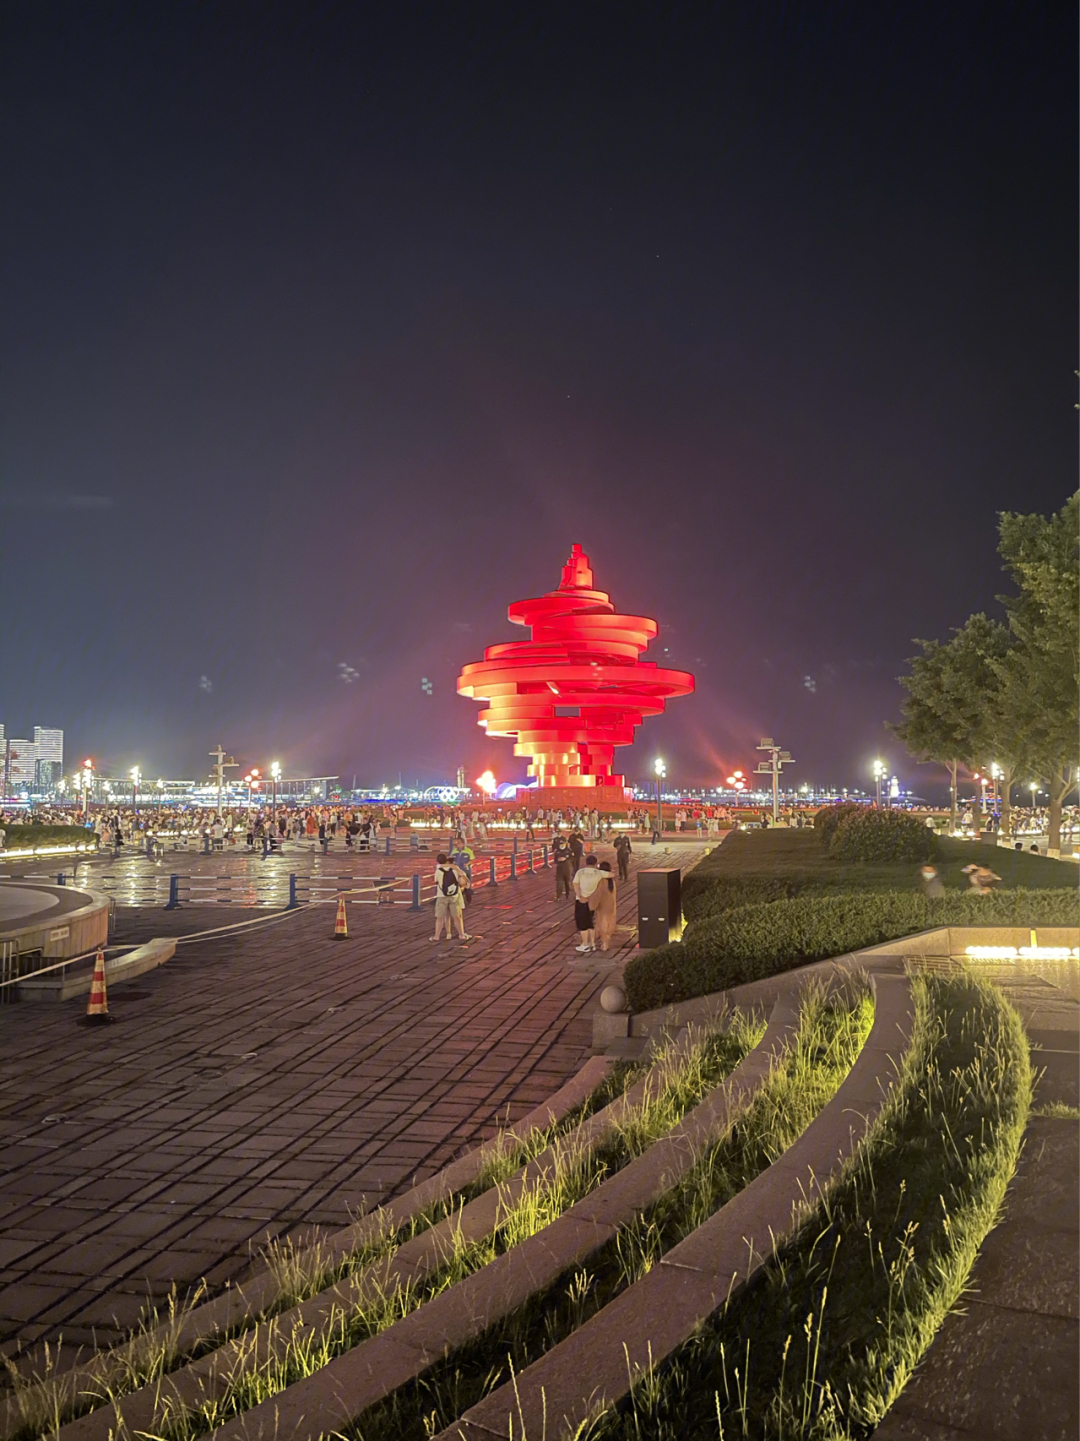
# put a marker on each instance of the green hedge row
(19, 837)
(882, 836)
(750, 942)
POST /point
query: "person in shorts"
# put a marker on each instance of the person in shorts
(449, 899)
(585, 882)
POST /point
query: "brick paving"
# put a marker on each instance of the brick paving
(266, 1081)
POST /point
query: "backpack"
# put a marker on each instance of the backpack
(448, 884)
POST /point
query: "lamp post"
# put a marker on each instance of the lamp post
(661, 771)
(87, 781)
(224, 763)
(136, 776)
(275, 776)
(880, 770)
(772, 767)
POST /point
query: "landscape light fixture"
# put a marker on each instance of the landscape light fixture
(880, 770)
(772, 767)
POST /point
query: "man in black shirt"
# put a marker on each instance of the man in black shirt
(560, 854)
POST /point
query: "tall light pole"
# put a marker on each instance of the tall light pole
(772, 767)
(87, 782)
(661, 771)
(880, 770)
(275, 776)
(224, 763)
(136, 776)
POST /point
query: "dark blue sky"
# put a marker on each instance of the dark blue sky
(327, 328)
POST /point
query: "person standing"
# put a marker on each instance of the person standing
(603, 905)
(623, 849)
(576, 841)
(560, 855)
(449, 899)
(585, 883)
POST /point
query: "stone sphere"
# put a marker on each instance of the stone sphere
(613, 999)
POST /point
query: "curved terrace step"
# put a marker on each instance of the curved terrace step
(230, 1309)
(647, 1323)
(372, 1370)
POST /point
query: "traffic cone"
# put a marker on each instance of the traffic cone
(97, 1009)
(341, 930)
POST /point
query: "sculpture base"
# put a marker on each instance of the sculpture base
(604, 798)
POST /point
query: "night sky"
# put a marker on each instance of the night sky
(327, 328)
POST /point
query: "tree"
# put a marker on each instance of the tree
(953, 713)
(1040, 672)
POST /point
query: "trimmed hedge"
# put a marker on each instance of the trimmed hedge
(751, 942)
(828, 818)
(20, 837)
(878, 836)
(715, 894)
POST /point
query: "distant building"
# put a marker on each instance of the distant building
(32, 765)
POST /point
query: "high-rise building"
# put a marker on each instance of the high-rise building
(22, 757)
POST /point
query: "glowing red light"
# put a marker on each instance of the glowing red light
(576, 689)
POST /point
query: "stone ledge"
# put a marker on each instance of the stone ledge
(651, 1319)
(63, 985)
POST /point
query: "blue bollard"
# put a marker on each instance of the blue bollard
(206, 844)
(529, 864)
(515, 843)
(326, 845)
(387, 845)
(174, 893)
(415, 893)
(414, 842)
(545, 860)
(492, 879)
(60, 879)
(513, 866)
(293, 902)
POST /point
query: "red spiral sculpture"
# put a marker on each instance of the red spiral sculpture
(577, 689)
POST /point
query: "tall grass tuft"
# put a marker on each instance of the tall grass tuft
(822, 1342)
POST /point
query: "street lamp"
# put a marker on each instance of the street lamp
(275, 776)
(661, 771)
(251, 780)
(87, 781)
(136, 776)
(880, 771)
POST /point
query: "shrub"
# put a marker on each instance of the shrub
(748, 943)
(714, 894)
(873, 835)
(22, 837)
(829, 817)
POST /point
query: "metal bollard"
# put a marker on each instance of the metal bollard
(60, 879)
(387, 845)
(513, 866)
(544, 863)
(174, 893)
(293, 902)
(515, 843)
(326, 845)
(206, 844)
(414, 842)
(492, 879)
(529, 864)
(415, 893)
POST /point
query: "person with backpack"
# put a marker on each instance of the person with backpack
(463, 856)
(449, 899)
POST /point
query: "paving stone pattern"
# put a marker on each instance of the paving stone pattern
(1004, 1367)
(266, 1081)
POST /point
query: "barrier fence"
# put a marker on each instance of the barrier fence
(292, 890)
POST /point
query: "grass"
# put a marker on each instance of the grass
(796, 862)
(259, 1364)
(57, 1391)
(1056, 1111)
(821, 1343)
(829, 1037)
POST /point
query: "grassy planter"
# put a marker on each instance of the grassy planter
(749, 942)
(24, 838)
(823, 1341)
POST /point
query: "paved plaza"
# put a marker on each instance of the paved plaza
(269, 1080)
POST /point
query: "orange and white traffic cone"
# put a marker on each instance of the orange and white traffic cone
(97, 1009)
(341, 930)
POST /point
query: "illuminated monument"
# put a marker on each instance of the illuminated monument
(576, 690)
